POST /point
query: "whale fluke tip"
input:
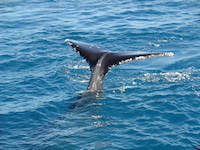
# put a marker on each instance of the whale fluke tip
(68, 41)
(169, 54)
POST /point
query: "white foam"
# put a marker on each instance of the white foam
(168, 76)
(79, 67)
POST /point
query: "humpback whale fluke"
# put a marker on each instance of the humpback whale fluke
(102, 60)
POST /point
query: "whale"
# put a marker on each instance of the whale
(101, 60)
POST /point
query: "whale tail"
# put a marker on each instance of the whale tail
(102, 60)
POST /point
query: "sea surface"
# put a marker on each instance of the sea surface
(151, 104)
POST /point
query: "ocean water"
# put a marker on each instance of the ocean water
(151, 104)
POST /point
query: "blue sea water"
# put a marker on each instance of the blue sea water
(151, 104)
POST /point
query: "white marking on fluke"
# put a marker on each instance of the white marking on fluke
(169, 54)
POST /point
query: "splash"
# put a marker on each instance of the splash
(168, 76)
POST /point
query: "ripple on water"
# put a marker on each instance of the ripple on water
(150, 104)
